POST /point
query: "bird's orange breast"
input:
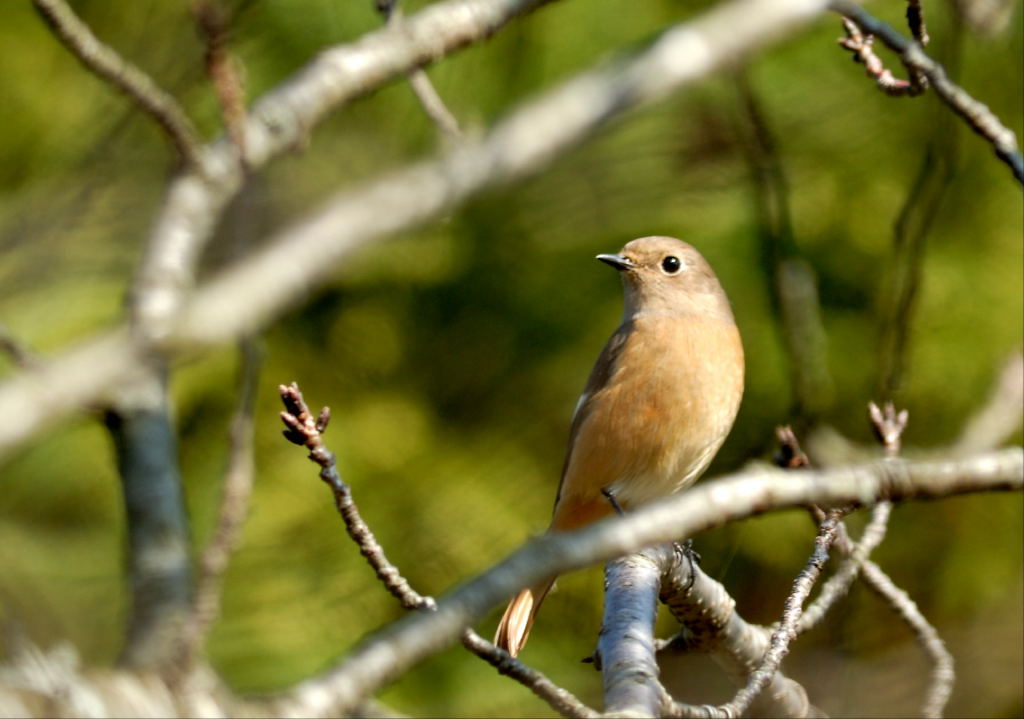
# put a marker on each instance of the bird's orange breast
(652, 427)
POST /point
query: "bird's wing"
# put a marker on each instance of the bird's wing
(602, 372)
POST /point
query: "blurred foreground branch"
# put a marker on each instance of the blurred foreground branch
(299, 259)
(281, 121)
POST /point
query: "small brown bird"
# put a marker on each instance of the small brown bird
(658, 404)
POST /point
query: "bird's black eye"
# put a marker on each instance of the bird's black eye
(671, 265)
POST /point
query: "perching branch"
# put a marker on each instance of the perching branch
(104, 62)
(387, 654)
(626, 645)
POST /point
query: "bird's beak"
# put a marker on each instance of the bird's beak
(619, 262)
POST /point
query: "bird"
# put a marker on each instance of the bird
(658, 404)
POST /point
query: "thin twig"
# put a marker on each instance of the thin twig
(562, 701)
(221, 66)
(234, 507)
(888, 425)
(981, 119)
(419, 81)
(786, 632)
(874, 577)
(941, 685)
(306, 430)
(838, 585)
(104, 62)
(915, 21)
(862, 46)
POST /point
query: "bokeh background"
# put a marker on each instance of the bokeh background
(452, 355)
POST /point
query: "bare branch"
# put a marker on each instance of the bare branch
(915, 21)
(557, 698)
(888, 426)
(786, 632)
(839, 583)
(298, 260)
(304, 255)
(976, 114)
(626, 644)
(384, 656)
(711, 624)
(941, 686)
(419, 81)
(862, 46)
(280, 121)
(104, 62)
(221, 67)
(303, 429)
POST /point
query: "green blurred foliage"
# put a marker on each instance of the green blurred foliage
(452, 355)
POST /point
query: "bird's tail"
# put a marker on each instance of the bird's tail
(515, 624)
